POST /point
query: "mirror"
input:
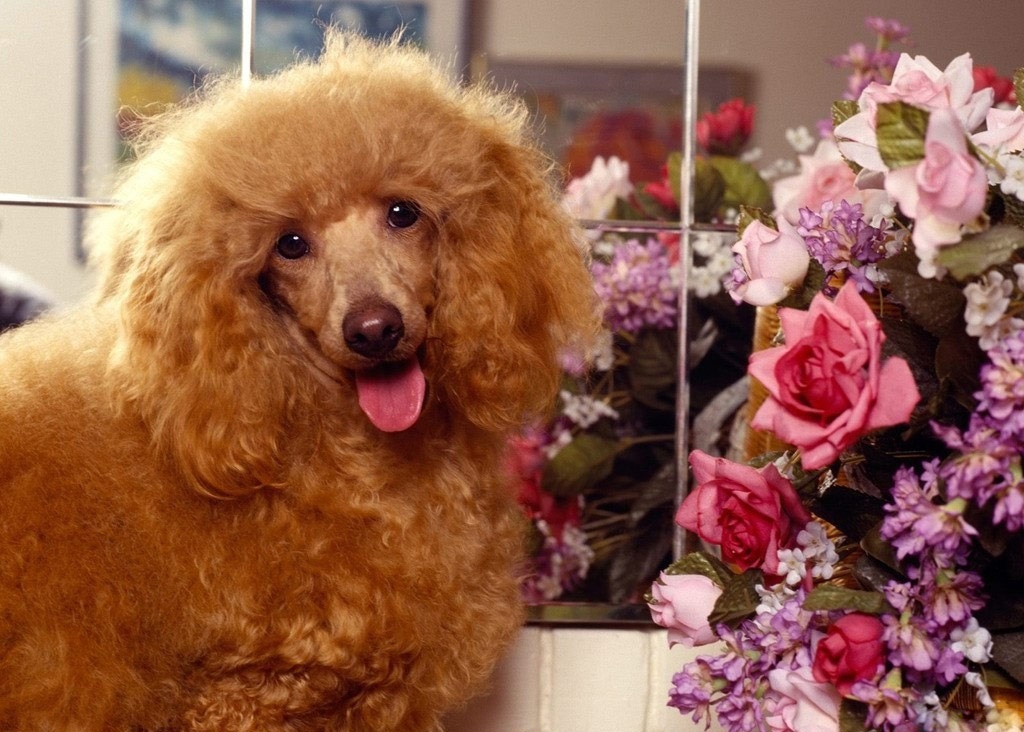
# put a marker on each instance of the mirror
(590, 97)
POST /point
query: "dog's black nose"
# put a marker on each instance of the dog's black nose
(373, 330)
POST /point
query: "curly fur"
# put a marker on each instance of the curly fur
(199, 528)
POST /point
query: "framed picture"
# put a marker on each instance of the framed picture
(166, 47)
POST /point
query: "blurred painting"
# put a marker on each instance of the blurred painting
(167, 47)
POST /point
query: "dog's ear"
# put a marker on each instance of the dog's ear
(515, 294)
(200, 355)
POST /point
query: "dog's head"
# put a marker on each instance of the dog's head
(355, 230)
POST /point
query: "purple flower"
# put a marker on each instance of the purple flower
(950, 597)
(910, 644)
(741, 710)
(637, 287)
(691, 690)
(918, 526)
(842, 241)
(875, 65)
(889, 706)
(988, 466)
(889, 30)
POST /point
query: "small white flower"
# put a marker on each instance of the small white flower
(603, 355)
(773, 598)
(974, 679)
(792, 565)
(707, 243)
(1000, 333)
(1018, 269)
(819, 550)
(813, 539)
(752, 155)
(800, 139)
(1012, 183)
(721, 263)
(704, 282)
(584, 410)
(987, 301)
(973, 641)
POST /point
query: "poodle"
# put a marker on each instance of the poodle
(257, 480)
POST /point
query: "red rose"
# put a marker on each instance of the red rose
(749, 513)
(662, 193)
(986, 77)
(726, 131)
(827, 386)
(851, 651)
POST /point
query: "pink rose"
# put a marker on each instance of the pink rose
(749, 513)
(1004, 131)
(593, 196)
(827, 385)
(682, 603)
(726, 131)
(941, 193)
(824, 176)
(804, 705)
(851, 651)
(774, 262)
(917, 81)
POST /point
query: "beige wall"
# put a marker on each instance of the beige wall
(625, 31)
(785, 43)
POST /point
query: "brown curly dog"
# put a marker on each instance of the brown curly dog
(257, 483)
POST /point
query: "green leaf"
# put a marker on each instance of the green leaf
(842, 110)
(580, 465)
(1018, 86)
(832, 597)
(901, 130)
(674, 167)
(744, 186)
(636, 564)
(738, 600)
(750, 214)
(653, 376)
(708, 189)
(853, 716)
(647, 207)
(979, 252)
(937, 306)
(704, 564)
(879, 549)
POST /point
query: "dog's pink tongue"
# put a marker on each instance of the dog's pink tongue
(392, 397)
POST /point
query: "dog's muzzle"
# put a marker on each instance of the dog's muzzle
(391, 393)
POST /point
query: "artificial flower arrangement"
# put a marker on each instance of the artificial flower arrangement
(866, 574)
(598, 480)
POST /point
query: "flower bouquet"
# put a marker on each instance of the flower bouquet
(865, 571)
(598, 479)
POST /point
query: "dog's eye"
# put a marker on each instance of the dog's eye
(403, 214)
(292, 246)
